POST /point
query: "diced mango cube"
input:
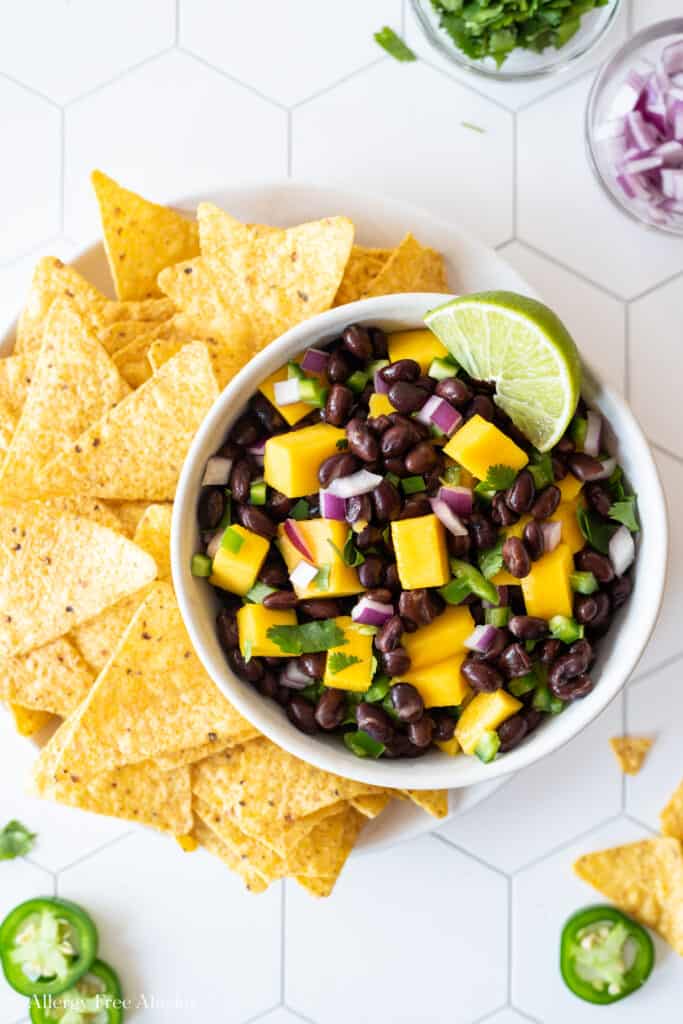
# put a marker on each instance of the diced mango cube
(547, 589)
(358, 675)
(443, 638)
(324, 538)
(486, 711)
(292, 460)
(566, 514)
(440, 685)
(253, 623)
(423, 346)
(380, 405)
(450, 747)
(237, 570)
(570, 487)
(478, 445)
(292, 413)
(421, 553)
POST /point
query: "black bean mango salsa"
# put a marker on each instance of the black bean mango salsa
(397, 564)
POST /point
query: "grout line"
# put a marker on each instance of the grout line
(176, 34)
(510, 946)
(640, 823)
(262, 1013)
(290, 143)
(468, 87)
(118, 76)
(515, 172)
(560, 87)
(231, 78)
(466, 853)
(62, 171)
(525, 1015)
(678, 274)
(300, 1016)
(93, 853)
(339, 81)
(665, 451)
(29, 89)
(490, 1014)
(283, 941)
(636, 680)
(504, 245)
(565, 844)
(627, 352)
(570, 270)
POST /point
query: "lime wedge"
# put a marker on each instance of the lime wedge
(523, 347)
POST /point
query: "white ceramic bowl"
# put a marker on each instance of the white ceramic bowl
(618, 653)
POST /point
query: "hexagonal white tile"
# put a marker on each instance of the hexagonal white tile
(555, 182)
(281, 1015)
(211, 949)
(667, 640)
(546, 804)
(397, 129)
(646, 12)
(543, 897)
(19, 881)
(374, 925)
(192, 130)
(510, 94)
(656, 330)
(64, 49)
(655, 707)
(15, 278)
(507, 1017)
(325, 51)
(30, 203)
(595, 320)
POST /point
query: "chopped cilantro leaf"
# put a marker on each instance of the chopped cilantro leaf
(541, 469)
(338, 661)
(625, 512)
(393, 44)
(301, 510)
(350, 555)
(501, 477)
(322, 579)
(616, 484)
(491, 560)
(473, 127)
(594, 530)
(247, 650)
(15, 840)
(307, 638)
(379, 689)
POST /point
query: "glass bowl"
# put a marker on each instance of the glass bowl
(645, 45)
(520, 64)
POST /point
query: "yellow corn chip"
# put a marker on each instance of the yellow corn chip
(53, 279)
(152, 698)
(153, 535)
(132, 361)
(672, 815)
(188, 843)
(325, 850)
(433, 801)
(120, 335)
(163, 349)
(211, 842)
(268, 864)
(411, 268)
(644, 879)
(137, 450)
(28, 721)
(52, 678)
(59, 571)
(74, 383)
(97, 638)
(8, 424)
(372, 804)
(216, 745)
(319, 887)
(362, 268)
(127, 513)
(151, 310)
(82, 508)
(630, 752)
(16, 373)
(140, 237)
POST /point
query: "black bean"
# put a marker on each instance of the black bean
(240, 480)
(559, 467)
(396, 662)
(380, 342)
(511, 732)
(620, 590)
(549, 651)
(320, 608)
(482, 531)
(389, 636)
(588, 560)
(342, 464)
(361, 441)
(370, 573)
(338, 368)
(369, 536)
(301, 713)
(520, 497)
(444, 725)
(599, 499)
(601, 620)
(406, 702)
(401, 370)
(421, 458)
(584, 467)
(268, 685)
(454, 391)
(274, 574)
(500, 641)
(226, 627)
(247, 430)
(281, 600)
(330, 709)
(420, 606)
(574, 688)
(400, 746)
(582, 649)
(374, 721)
(585, 608)
(482, 678)
(359, 509)
(546, 503)
(481, 405)
(532, 535)
(414, 506)
(279, 505)
(230, 450)
(527, 627)
(420, 732)
(516, 558)
(532, 717)
(387, 502)
(458, 546)
(398, 439)
(271, 420)
(313, 664)
(407, 397)
(378, 424)
(515, 661)
(569, 666)
(501, 513)
(338, 405)
(357, 340)
(211, 507)
(257, 521)
(391, 578)
(251, 670)
(426, 382)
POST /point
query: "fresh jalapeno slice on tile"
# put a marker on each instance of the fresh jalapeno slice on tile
(96, 998)
(604, 955)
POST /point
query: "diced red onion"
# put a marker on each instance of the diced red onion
(294, 677)
(672, 58)
(332, 506)
(552, 535)
(441, 413)
(217, 471)
(379, 383)
(371, 613)
(608, 467)
(642, 165)
(642, 134)
(303, 574)
(591, 444)
(295, 537)
(672, 183)
(445, 514)
(214, 544)
(671, 153)
(257, 452)
(622, 550)
(459, 499)
(610, 130)
(481, 639)
(315, 361)
(286, 391)
(350, 486)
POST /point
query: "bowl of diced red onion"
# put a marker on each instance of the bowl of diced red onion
(634, 127)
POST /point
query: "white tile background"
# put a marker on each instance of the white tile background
(173, 97)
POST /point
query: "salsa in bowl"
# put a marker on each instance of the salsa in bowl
(386, 574)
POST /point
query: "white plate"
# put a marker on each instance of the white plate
(379, 222)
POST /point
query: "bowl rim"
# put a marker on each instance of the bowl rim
(560, 65)
(435, 770)
(645, 35)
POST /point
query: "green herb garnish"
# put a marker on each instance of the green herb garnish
(393, 44)
(350, 555)
(541, 469)
(501, 477)
(451, 475)
(594, 530)
(301, 510)
(338, 661)
(379, 689)
(322, 579)
(491, 560)
(625, 512)
(247, 650)
(308, 637)
(15, 840)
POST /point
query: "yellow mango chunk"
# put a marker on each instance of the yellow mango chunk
(237, 570)
(547, 590)
(478, 445)
(440, 685)
(292, 460)
(253, 623)
(380, 405)
(486, 711)
(422, 346)
(570, 487)
(323, 538)
(565, 513)
(292, 413)
(450, 747)
(357, 676)
(421, 553)
(443, 638)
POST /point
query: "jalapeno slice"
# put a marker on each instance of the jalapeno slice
(604, 955)
(46, 945)
(96, 998)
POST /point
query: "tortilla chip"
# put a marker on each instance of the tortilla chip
(630, 752)
(187, 843)
(28, 721)
(98, 638)
(411, 268)
(152, 698)
(128, 514)
(82, 508)
(211, 842)
(59, 571)
(52, 678)
(132, 361)
(325, 850)
(151, 310)
(120, 335)
(372, 805)
(140, 237)
(153, 535)
(433, 801)
(213, 746)
(53, 279)
(672, 815)
(645, 879)
(163, 349)
(319, 887)
(74, 383)
(137, 450)
(363, 267)
(16, 373)
(268, 864)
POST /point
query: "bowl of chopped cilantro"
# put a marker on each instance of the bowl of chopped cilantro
(515, 39)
